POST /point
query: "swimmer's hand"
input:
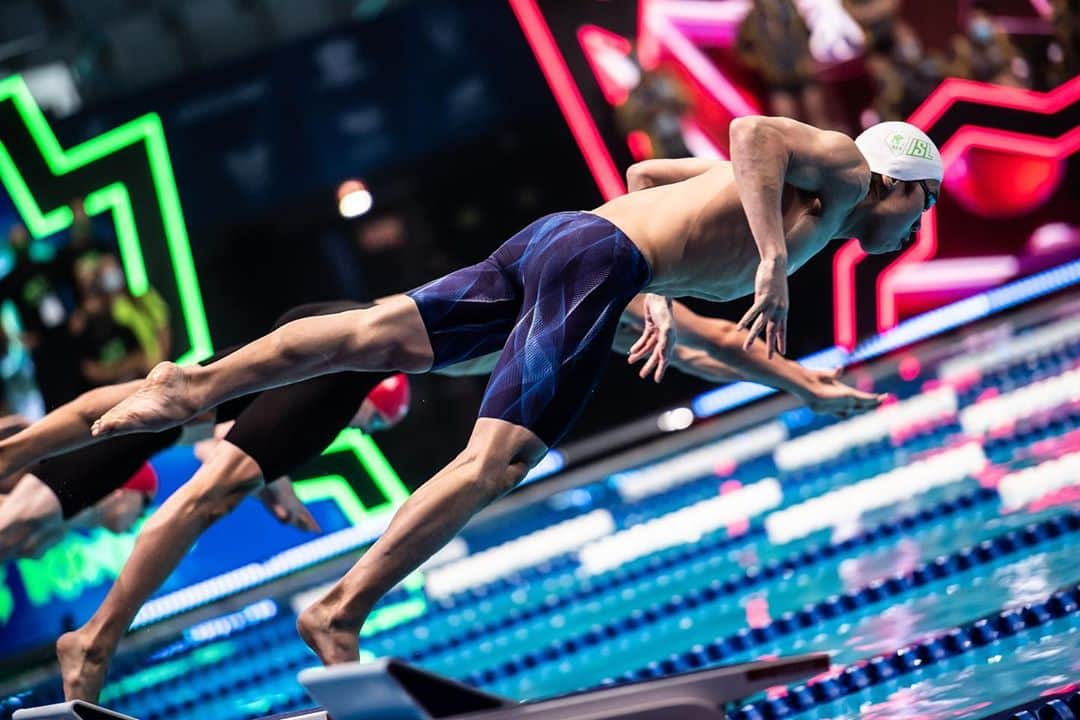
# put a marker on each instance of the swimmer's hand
(825, 394)
(280, 499)
(658, 339)
(770, 309)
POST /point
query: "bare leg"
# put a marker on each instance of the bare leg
(498, 456)
(388, 336)
(64, 429)
(215, 489)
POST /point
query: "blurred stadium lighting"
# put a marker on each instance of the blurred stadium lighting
(354, 199)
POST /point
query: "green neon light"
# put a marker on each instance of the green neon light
(115, 198)
(393, 615)
(7, 600)
(158, 674)
(66, 570)
(148, 130)
(337, 488)
(368, 453)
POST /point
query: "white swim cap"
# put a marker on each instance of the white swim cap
(900, 150)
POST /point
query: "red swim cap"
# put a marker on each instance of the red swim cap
(391, 398)
(145, 480)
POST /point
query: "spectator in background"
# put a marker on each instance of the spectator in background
(1064, 52)
(986, 54)
(774, 42)
(37, 290)
(81, 244)
(391, 255)
(877, 19)
(904, 76)
(106, 351)
(146, 316)
(656, 107)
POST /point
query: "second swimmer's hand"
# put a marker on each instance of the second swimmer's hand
(770, 309)
(826, 394)
(658, 339)
(280, 499)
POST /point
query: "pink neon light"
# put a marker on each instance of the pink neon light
(648, 50)
(700, 66)
(944, 97)
(925, 247)
(964, 139)
(569, 99)
(1044, 8)
(710, 11)
(698, 141)
(600, 46)
(846, 258)
(955, 90)
(951, 273)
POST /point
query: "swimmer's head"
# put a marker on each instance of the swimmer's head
(385, 406)
(110, 274)
(121, 508)
(907, 173)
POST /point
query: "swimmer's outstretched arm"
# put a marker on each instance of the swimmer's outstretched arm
(712, 349)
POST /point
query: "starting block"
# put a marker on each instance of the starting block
(389, 689)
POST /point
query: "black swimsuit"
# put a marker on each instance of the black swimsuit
(279, 429)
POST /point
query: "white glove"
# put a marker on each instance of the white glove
(834, 35)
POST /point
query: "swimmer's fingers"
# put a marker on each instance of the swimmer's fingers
(748, 319)
(281, 500)
(304, 520)
(649, 366)
(665, 346)
(867, 401)
(643, 346)
(755, 330)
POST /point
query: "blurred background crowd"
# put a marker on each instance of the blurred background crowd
(886, 70)
(75, 320)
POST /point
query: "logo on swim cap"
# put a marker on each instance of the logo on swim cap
(901, 144)
(901, 151)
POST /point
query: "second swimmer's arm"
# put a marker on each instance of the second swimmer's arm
(651, 173)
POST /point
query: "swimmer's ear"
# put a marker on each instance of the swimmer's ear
(888, 184)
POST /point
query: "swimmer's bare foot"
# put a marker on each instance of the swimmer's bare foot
(82, 666)
(164, 401)
(331, 640)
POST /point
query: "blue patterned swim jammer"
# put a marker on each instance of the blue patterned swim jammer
(550, 298)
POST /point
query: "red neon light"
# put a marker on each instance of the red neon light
(569, 99)
(955, 90)
(946, 95)
(846, 258)
(640, 145)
